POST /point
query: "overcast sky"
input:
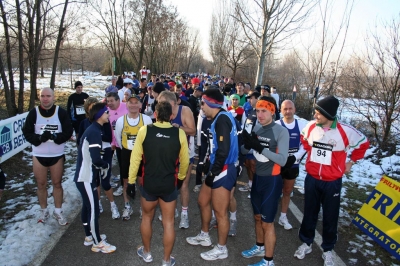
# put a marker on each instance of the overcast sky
(365, 14)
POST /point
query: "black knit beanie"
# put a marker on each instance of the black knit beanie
(328, 107)
(78, 83)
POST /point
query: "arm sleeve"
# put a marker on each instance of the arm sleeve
(222, 129)
(107, 137)
(118, 130)
(66, 126)
(357, 141)
(183, 155)
(136, 155)
(281, 154)
(29, 129)
(199, 127)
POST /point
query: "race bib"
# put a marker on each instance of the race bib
(292, 151)
(80, 110)
(321, 153)
(259, 157)
(130, 140)
(52, 128)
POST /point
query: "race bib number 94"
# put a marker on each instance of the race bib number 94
(321, 153)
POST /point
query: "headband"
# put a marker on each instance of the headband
(266, 105)
(212, 103)
(100, 113)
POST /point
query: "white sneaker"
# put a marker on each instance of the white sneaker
(126, 215)
(302, 251)
(196, 188)
(101, 207)
(184, 223)
(43, 215)
(114, 212)
(119, 191)
(200, 239)
(245, 188)
(285, 223)
(89, 239)
(103, 247)
(215, 254)
(328, 258)
(145, 256)
(60, 218)
(249, 196)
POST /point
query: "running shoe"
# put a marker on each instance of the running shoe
(232, 228)
(196, 188)
(184, 223)
(115, 179)
(89, 239)
(249, 196)
(171, 262)
(215, 254)
(302, 251)
(114, 212)
(145, 256)
(213, 223)
(328, 258)
(126, 215)
(254, 251)
(203, 240)
(285, 223)
(119, 191)
(60, 218)
(103, 247)
(113, 185)
(43, 215)
(245, 188)
(263, 262)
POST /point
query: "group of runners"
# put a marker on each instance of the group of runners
(152, 131)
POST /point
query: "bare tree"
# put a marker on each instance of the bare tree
(376, 77)
(266, 23)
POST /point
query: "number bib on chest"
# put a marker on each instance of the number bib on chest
(321, 153)
(130, 141)
(80, 110)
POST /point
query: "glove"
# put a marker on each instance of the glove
(45, 136)
(179, 183)
(209, 179)
(255, 143)
(246, 140)
(103, 172)
(131, 190)
(289, 163)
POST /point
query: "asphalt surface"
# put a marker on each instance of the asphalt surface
(125, 235)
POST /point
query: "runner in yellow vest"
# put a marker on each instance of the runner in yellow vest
(126, 130)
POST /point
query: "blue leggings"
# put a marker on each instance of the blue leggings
(90, 209)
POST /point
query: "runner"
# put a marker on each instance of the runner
(126, 130)
(75, 108)
(270, 144)
(182, 117)
(326, 142)
(47, 127)
(296, 151)
(89, 167)
(158, 184)
(222, 175)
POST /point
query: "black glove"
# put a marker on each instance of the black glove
(289, 163)
(179, 184)
(131, 190)
(209, 179)
(255, 143)
(45, 136)
(246, 140)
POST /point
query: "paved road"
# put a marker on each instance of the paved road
(125, 235)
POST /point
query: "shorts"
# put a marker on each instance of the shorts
(126, 162)
(227, 178)
(49, 161)
(265, 195)
(290, 174)
(166, 198)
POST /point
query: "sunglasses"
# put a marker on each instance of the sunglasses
(107, 112)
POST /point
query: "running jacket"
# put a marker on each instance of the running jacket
(341, 138)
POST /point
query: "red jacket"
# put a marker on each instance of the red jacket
(341, 138)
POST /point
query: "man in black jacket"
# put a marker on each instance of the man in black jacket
(194, 101)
